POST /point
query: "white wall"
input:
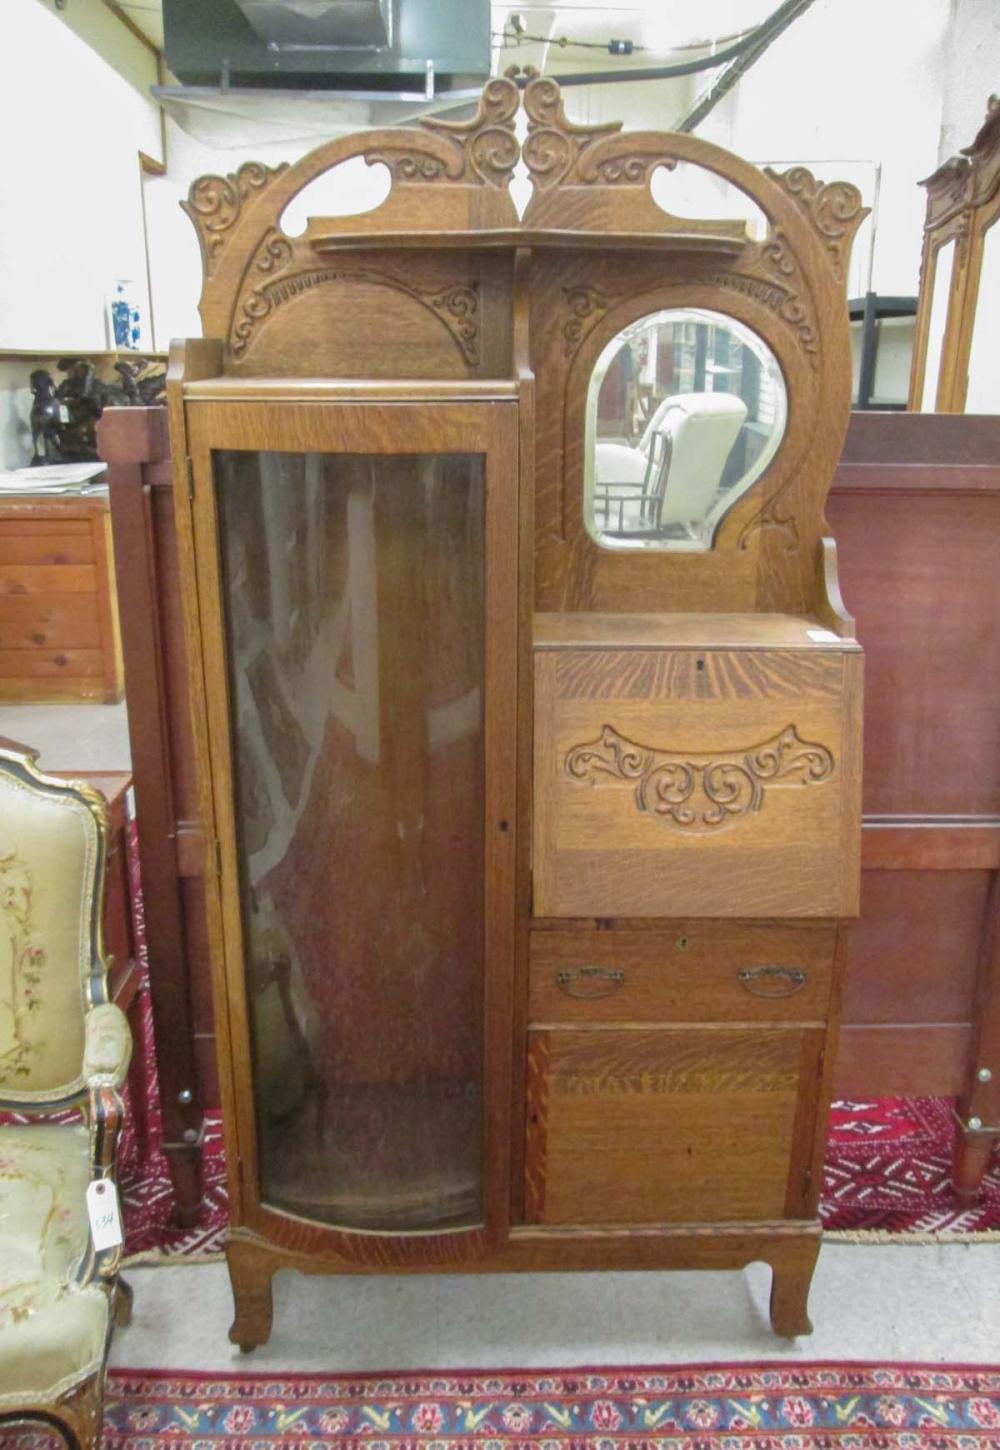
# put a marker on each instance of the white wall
(849, 85)
(852, 81)
(971, 72)
(175, 258)
(71, 126)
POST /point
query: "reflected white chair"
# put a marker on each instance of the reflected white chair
(673, 475)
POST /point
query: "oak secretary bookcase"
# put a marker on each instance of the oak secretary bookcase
(527, 713)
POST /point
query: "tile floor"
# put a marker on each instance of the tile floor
(927, 1302)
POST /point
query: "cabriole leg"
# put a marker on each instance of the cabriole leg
(791, 1280)
(250, 1276)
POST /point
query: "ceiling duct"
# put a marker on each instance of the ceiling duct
(281, 70)
(329, 45)
(292, 25)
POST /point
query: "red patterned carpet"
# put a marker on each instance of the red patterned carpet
(685, 1407)
(888, 1167)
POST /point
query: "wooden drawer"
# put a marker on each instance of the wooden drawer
(690, 971)
(670, 1125)
(58, 612)
(696, 782)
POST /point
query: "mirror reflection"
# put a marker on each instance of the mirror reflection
(685, 409)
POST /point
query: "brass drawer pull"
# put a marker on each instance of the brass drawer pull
(590, 982)
(772, 981)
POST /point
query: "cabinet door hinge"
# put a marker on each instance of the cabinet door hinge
(189, 463)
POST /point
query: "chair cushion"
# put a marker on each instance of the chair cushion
(52, 1341)
(52, 1332)
(49, 858)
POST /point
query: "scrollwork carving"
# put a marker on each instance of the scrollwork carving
(548, 156)
(781, 292)
(493, 154)
(695, 792)
(457, 306)
(587, 306)
(275, 253)
(554, 143)
(834, 208)
(485, 146)
(214, 203)
(407, 163)
(628, 170)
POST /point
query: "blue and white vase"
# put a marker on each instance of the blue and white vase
(124, 317)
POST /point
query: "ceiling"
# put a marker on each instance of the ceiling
(145, 15)
(568, 39)
(573, 34)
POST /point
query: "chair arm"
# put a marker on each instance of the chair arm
(107, 1046)
(106, 1053)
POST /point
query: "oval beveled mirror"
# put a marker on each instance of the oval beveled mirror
(685, 410)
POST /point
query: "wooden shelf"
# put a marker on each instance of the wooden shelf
(98, 352)
(685, 631)
(420, 390)
(322, 242)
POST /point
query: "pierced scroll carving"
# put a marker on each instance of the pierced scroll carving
(485, 146)
(554, 143)
(700, 793)
(214, 204)
(456, 306)
(834, 208)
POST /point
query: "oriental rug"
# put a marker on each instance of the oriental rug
(683, 1407)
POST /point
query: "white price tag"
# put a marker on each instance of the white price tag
(105, 1214)
(822, 636)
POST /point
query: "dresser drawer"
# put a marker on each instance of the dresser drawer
(688, 971)
(687, 782)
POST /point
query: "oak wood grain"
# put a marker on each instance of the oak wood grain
(687, 971)
(653, 1125)
(607, 844)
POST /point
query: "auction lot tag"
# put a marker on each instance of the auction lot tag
(105, 1214)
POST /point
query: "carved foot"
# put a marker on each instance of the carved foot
(124, 1295)
(790, 1284)
(250, 1277)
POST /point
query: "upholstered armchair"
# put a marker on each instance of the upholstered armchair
(673, 474)
(63, 1045)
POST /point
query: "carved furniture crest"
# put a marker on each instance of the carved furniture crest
(700, 792)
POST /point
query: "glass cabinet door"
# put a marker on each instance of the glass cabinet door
(360, 672)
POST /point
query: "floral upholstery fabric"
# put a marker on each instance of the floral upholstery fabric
(49, 855)
(107, 1045)
(52, 1330)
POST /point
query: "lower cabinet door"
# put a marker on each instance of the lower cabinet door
(670, 1125)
